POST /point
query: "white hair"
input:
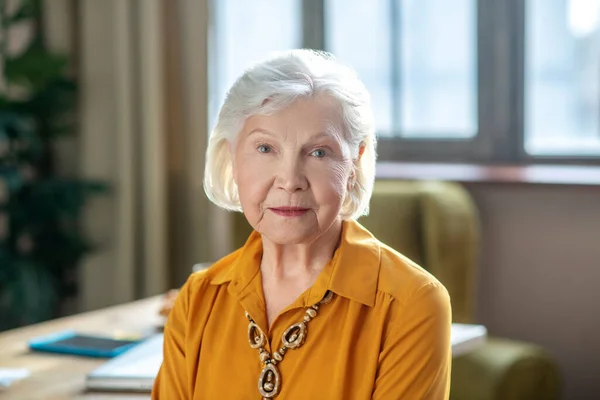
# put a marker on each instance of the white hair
(281, 79)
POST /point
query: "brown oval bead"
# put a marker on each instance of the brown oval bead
(269, 381)
(327, 298)
(256, 337)
(294, 336)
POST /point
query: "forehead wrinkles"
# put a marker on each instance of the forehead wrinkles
(293, 130)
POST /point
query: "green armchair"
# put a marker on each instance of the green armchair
(436, 225)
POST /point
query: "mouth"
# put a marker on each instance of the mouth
(289, 211)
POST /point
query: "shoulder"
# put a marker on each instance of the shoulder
(401, 278)
(384, 270)
(413, 295)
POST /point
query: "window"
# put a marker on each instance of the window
(419, 61)
(562, 67)
(461, 80)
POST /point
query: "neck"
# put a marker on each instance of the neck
(294, 261)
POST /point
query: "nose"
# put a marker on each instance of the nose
(291, 176)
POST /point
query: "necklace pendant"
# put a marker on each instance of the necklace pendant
(294, 336)
(269, 381)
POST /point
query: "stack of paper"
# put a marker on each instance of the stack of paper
(10, 375)
(134, 370)
(466, 338)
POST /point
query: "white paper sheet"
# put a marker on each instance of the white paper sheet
(10, 375)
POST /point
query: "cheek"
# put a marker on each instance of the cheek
(329, 182)
(253, 181)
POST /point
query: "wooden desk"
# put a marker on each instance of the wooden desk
(60, 377)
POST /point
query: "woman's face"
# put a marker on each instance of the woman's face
(293, 169)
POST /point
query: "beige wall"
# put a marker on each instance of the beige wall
(539, 278)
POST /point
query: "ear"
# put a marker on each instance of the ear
(361, 150)
(352, 179)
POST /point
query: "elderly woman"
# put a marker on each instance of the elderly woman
(312, 306)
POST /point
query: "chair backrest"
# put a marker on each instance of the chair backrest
(433, 223)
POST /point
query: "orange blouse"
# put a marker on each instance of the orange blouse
(385, 334)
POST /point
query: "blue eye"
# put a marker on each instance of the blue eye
(263, 148)
(319, 153)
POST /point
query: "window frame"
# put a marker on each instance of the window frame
(500, 47)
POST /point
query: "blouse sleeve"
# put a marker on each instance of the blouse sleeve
(415, 359)
(171, 381)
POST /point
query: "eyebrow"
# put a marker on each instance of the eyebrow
(260, 130)
(319, 135)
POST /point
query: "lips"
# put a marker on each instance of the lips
(289, 211)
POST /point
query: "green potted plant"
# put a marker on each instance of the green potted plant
(41, 243)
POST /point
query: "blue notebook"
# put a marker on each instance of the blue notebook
(72, 342)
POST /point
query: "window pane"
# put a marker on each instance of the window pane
(246, 32)
(562, 77)
(439, 68)
(418, 59)
(367, 50)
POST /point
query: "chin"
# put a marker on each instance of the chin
(293, 231)
(290, 235)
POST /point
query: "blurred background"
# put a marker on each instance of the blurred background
(106, 107)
